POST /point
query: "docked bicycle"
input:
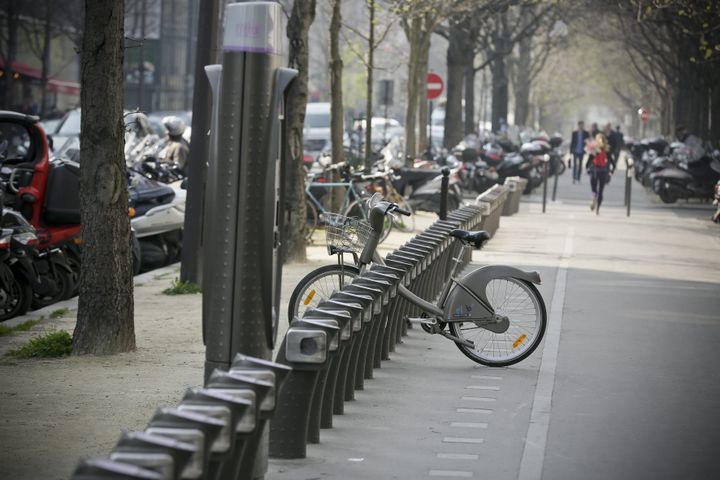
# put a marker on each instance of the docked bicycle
(494, 314)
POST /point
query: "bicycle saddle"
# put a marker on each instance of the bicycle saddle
(476, 239)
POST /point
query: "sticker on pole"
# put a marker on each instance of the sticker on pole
(255, 27)
(435, 86)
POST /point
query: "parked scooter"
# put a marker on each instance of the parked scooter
(688, 179)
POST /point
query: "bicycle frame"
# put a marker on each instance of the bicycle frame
(350, 194)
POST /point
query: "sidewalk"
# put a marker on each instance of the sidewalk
(59, 410)
(429, 412)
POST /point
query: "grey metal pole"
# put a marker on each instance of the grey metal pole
(545, 175)
(444, 193)
(191, 267)
(628, 188)
(555, 182)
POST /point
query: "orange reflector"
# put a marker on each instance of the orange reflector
(77, 240)
(309, 297)
(131, 212)
(520, 339)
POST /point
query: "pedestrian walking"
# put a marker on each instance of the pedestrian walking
(600, 166)
(577, 149)
(594, 130)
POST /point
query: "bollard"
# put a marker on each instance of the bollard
(555, 181)
(196, 429)
(99, 468)
(306, 348)
(220, 405)
(166, 456)
(628, 183)
(444, 184)
(253, 391)
(546, 161)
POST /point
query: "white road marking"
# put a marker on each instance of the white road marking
(450, 473)
(485, 377)
(458, 456)
(474, 410)
(469, 425)
(479, 399)
(462, 440)
(533, 458)
(483, 387)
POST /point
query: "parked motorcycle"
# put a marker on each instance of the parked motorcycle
(15, 290)
(688, 179)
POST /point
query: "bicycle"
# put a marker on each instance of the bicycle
(353, 204)
(494, 314)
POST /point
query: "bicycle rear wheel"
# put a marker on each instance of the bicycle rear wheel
(518, 300)
(358, 209)
(403, 223)
(317, 286)
(311, 222)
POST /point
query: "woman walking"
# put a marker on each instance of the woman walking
(600, 167)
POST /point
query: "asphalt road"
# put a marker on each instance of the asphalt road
(625, 386)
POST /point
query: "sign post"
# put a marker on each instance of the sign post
(435, 87)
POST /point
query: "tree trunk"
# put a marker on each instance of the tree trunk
(45, 71)
(521, 88)
(470, 126)
(369, 87)
(500, 77)
(303, 14)
(105, 308)
(413, 36)
(336, 101)
(499, 94)
(715, 115)
(453, 107)
(11, 18)
(422, 98)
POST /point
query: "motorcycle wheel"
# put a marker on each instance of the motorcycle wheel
(64, 282)
(15, 297)
(666, 196)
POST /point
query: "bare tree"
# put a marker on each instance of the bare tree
(105, 309)
(8, 51)
(302, 16)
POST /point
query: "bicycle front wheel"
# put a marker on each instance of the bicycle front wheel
(358, 209)
(317, 286)
(522, 304)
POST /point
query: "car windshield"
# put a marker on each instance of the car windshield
(71, 125)
(317, 120)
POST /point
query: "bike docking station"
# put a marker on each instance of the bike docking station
(492, 202)
(516, 186)
(219, 431)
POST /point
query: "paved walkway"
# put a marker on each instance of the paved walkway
(625, 386)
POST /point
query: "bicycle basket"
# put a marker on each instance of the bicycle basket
(346, 234)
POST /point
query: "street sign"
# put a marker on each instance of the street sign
(644, 115)
(435, 86)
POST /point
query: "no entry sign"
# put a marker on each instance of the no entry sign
(435, 86)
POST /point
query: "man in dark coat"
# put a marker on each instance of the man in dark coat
(577, 149)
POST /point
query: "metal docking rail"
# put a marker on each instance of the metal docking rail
(215, 432)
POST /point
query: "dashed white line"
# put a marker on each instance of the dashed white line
(485, 377)
(462, 440)
(458, 456)
(483, 387)
(469, 425)
(450, 473)
(474, 410)
(479, 399)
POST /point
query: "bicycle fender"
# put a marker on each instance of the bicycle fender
(467, 299)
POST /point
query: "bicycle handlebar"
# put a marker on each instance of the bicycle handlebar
(402, 212)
